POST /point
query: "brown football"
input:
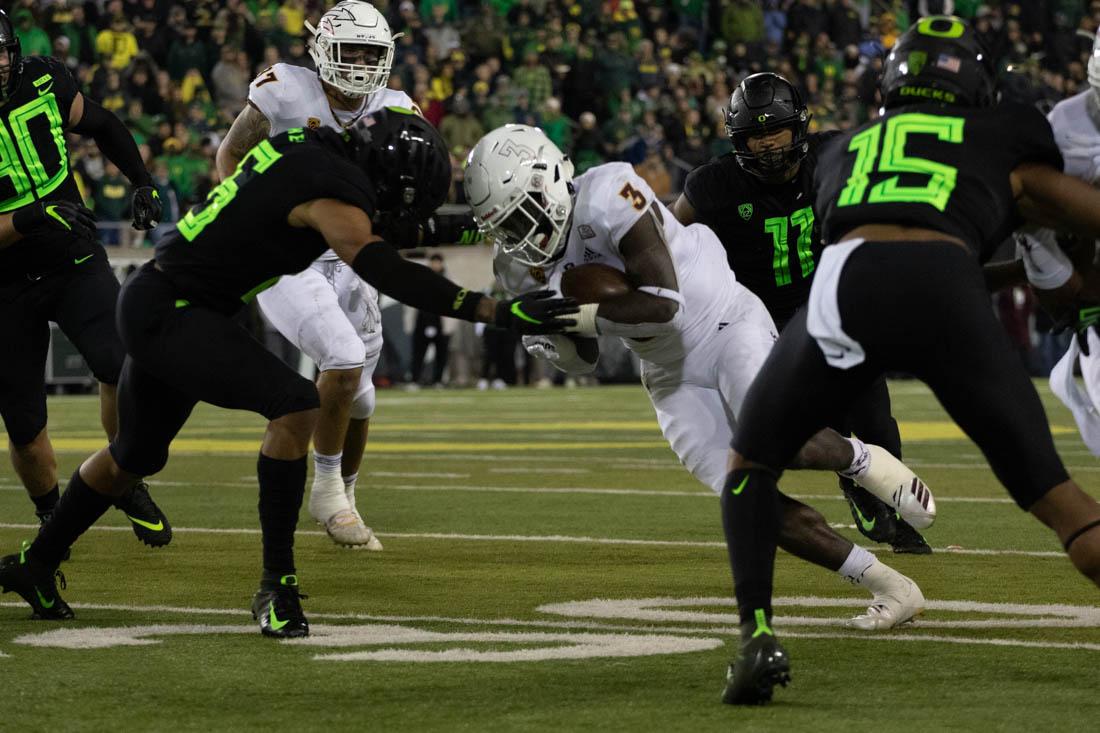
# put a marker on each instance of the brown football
(594, 283)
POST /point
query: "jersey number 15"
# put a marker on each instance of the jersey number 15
(865, 145)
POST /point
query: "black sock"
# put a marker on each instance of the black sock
(77, 510)
(282, 486)
(750, 518)
(44, 504)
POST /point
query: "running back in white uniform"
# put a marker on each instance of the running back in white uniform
(1076, 124)
(326, 311)
(696, 377)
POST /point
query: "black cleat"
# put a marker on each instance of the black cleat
(44, 517)
(278, 608)
(146, 519)
(874, 518)
(34, 583)
(909, 541)
(761, 664)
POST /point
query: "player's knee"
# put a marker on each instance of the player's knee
(362, 406)
(139, 460)
(340, 384)
(25, 431)
(105, 360)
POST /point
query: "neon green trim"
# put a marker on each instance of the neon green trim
(867, 526)
(276, 624)
(761, 624)
(156, 195)
(401, 110)
(740, 487)
(148, 525)
(23, 552)
(42, 79)
(518, 313)
(251, 294)
(181, 303)
(460, 297)
(288, 580)
(83, 259)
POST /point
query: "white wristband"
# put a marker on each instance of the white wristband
(586, 320)
(1046, 265)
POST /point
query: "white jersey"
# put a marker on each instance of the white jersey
(292, 96)
(1076, 124)
(609, 200)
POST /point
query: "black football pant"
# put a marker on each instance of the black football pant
(81, 299)
(917, 307)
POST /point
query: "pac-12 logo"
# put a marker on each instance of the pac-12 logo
(745, 210)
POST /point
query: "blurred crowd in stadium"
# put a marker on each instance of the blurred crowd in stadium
(644, 82)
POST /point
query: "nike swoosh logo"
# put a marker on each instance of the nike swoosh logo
(518, 313)
(42, 599)
(740, 487)
(276, 624)
(85, 258)
(867, 526)
(51, 211)
(148, 525)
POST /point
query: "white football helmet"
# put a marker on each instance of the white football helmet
(344, 33)
(519, 185)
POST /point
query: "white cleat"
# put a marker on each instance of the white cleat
(346, 528)
(895, 483)
(901, 602)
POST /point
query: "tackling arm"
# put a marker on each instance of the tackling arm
(111, 137)
(650, 308)
(348, 231)
(248, 130)
(683, 210)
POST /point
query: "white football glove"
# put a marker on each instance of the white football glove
(561, 351)
(1046, 265)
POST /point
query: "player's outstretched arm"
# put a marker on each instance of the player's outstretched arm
(87, 117)
(248, 130)
(650, 308)
(348, 231)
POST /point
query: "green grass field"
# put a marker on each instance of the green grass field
(506, 517)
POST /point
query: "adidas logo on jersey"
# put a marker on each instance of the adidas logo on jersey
(590, 256)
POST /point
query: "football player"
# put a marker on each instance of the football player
(59, 274)
(326, 310)
(915, 200)
(701, 336)
(290, 198)
(759, 201)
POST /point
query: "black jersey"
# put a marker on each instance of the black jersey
(770, 233)
(238, 243)
(34, 162)
(934, 167)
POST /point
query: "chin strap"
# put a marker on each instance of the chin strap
(1073, 537)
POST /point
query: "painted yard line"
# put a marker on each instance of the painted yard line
(524, 469)
(204, 446)
(553, 539)
(591, 626)
(402, 474)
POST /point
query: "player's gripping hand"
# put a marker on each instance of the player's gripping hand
(54, 217)
(146, 207)
(535, 313)
(1087, 319)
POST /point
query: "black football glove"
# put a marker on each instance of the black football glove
(1087, 318)
(451, 229)
(146, 208)
(55, 217)
(535, 313)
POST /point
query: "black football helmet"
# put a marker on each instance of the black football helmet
(939, 60)
(761, 104)
(10, 41)
(406, 159)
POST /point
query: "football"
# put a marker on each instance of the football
(594, 283)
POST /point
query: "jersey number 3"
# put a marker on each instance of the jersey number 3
(865, 145)
(634, 196)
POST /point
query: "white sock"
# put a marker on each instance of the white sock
(326, 498)
(349, 488)
(861, 460)
(856, 566)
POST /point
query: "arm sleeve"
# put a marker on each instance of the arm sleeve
(63, 85)
(1033, 139)
(115, 141)
(381, 266)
